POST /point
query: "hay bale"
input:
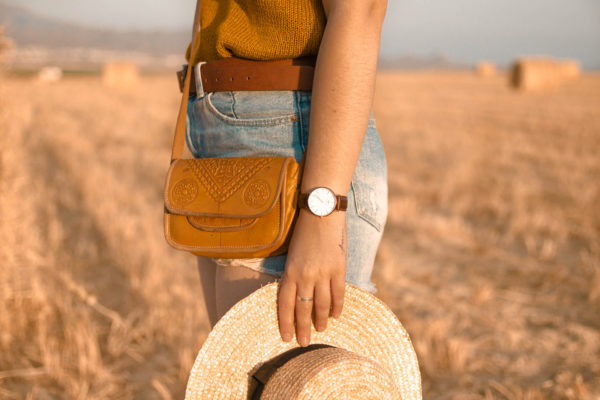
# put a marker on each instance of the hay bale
(485, 69)
(50, 74)
(571, 69)
(531, 74)
(120, 75)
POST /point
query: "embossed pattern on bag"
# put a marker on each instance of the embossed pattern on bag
(231, 207)
(221, 177)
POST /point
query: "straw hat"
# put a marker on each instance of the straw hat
(363, 354)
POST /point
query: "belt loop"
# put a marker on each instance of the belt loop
(198, 77)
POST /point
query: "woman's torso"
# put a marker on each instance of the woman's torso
(259, 29)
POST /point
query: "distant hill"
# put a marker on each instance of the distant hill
(44, 41)
(27, 28)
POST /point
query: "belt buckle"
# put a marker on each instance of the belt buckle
(198, 78)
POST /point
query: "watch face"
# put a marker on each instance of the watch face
(321, 201)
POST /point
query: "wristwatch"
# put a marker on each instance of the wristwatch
(321, 201)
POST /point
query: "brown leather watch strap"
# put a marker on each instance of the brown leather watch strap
(342, 203)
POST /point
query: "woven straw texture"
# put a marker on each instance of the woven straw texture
(331, 373)
(247, 336)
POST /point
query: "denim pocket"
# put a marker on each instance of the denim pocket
(243, 108)
(369, 182)
(244, 124)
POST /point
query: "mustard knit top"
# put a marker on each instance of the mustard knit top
(259, 29)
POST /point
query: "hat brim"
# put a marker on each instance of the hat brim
(247, 336)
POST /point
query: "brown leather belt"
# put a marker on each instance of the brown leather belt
(233, 74)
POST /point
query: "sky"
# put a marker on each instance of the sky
(461, 30)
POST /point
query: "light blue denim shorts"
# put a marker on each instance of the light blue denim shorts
(252, 123)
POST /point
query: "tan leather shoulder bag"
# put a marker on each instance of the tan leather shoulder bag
(228, 207)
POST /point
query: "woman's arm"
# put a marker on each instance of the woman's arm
(342, 97)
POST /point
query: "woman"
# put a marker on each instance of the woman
(332, 124)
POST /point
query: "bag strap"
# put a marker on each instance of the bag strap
(178, 140)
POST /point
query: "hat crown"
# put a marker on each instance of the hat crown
(330, 373)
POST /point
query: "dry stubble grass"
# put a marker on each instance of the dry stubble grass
(95, 305)
(490, 256)
(491, 252)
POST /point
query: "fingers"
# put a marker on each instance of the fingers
(322, 305)
(286, 306)
(303, 316)
(337, 295)
(291, 308)
(328, 297)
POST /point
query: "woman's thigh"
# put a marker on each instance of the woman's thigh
(223, 287)
(237, 124)
(232, 284)
(207, 270)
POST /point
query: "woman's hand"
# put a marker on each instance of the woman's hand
(315, 267)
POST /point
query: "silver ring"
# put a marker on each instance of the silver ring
(305, 298)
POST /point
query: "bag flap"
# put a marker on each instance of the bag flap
(241, 187)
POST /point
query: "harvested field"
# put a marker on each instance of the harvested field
(490, 258)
